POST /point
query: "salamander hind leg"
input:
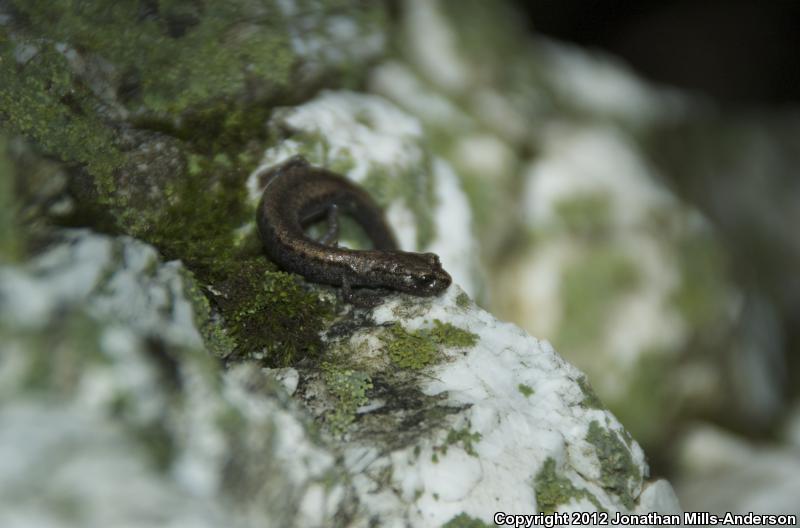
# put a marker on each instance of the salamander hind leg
(331, 237)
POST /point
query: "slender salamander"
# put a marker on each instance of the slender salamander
(298, 194)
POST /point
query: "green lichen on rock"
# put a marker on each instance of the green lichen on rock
(462, 300)
(420, 348)
(349, 388)
(525, 390)
(463, 437)
(410, 350)
(553, 489)
(619, 475)
(590, 399)
(448, 335)
(463, 520)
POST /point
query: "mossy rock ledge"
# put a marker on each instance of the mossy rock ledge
(157, 370)
(420, 411)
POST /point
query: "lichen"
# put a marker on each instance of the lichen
(525, 390)
(462, 300)
(464, 437)
(410, 350)
(349, 388)
(590, 399)
(553, 489)
(418, 349)
(618, 473)
(463, 520)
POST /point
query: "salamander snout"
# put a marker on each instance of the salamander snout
(432, 278)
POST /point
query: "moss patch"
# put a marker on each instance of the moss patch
(270, 315)
(175, 55)
(9, 236)
(42, 101)
(618, 472)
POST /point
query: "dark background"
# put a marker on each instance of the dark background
(739, 52)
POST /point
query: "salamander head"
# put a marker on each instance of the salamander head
(421, 274)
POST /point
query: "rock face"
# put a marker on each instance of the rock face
(429, 410)
(167, 373)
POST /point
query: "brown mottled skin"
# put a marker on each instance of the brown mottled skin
(298, 194)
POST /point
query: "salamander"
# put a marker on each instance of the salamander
(298, 194)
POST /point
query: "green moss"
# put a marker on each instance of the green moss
(463, 520)
(349, 388)
(216, 340)
(179, 57)
(203, 210)
(589, 287)
(525, 390)
(587, 214)
(269, 314)
(590, 399)
(552, 490)
(9, 235)
(42, 101)
(618, 472)
(418, 349)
